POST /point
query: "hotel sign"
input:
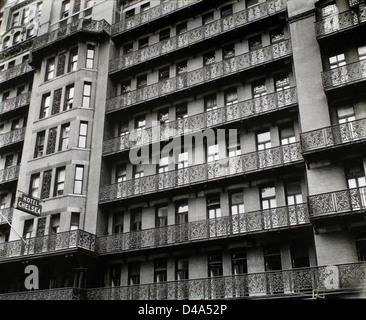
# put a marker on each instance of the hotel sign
(29, 205)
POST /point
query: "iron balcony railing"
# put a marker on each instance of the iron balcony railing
(197, 77)
(15, 71)
(198, 122)
(151, 14)
(353, 3)
(204, 230)
(11, 137)
(336, 135)
(15, 103)
(303, 282)
(202, 173)
(48, 243)
(199, 34)
(81, 25)
(340, 22)
(9, 174)
(7, 213)
(345, 75)
(338, 202)
(49, 294)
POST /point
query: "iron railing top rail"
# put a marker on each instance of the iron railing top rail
(276, 157)
(267, 221)
(14, 103)
(67, 293)
(171, 125)
(333, 135)
(15, 71)
(217, 27)
(81, 25)
(193, 78)
(149, 15)
(338, 22)
(344, 75)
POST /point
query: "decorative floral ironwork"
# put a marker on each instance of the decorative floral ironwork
(241, 110)
(48, 243)
(56, 105)
(205, 229)
(190, 37)
(228, 167)
(339, 134)
(343, 201)
(340, 22)
(194, 78)
(11, 137)
(51, 145)
(14, 103)
(345, 75)
(15, 71)
(50, 294)
(46, 185)
(9, 174)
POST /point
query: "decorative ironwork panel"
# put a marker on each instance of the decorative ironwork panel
(61, 65)
(46, 184)
(56, 105)
(51, 145)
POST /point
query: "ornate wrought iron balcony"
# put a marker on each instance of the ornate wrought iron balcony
(9, 174)
(47, 244)
(304, 282)
(202, 173)
(15, 71)
(345, 75)
(236, 20)
(203, 230)
(349, 132)
(340, 22)
(353, 3)
(200, 76)
(7, 213)
(228, 114)
(12, 137)
(338, 202)
(50, 294)
(82, 25)
(15, 103)
(151, 14)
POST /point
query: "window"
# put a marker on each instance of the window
(83, 132)
(161, 216)
(39, 9)
(163, 165)
(181, 269)
(181, 212)
(39, 144)
(213, 206)
(133, 274)
(65, 10)
(15, 21)
(143, 42)
(140, 123)
(6, 42)
(128, 48)
(259, 89)
(160, 270)
(361, 53)
(264, 140)
(34, 185)
(30, 32)
(255, 43)
(141, 81)
(287, 135)
(214, 265)
(16, 38)
(329, 10)
(125, 86)
(251, 3)
(181, 28)
(45, 107)
(144, 7)
(276, 35)
(228, 52)
(226, 11)
(121, 173)
(28, 228)
(293, 193)
(130, 13)
(345, 114)
(25, 17)
(117, 223)
(55, 224)
(268, 198)
(233, 146)
(59, 182)
(163, 116)
(64, 137)
(212, 152)
(182, 67)
(50, 69)
(209, 58)
(181, 111)
(73, 60)
(78, 182)
(15, 124)
(69, 97)
(9, 161)
(231, 97)
(272, 257)
(164, 34)
(11, 64)
(336, 61)
(74, 223)
(207, 18)
(138, 171)
(210, 103)
(282, 82)
(136, 219)
(90, 57)
(123, 128)
(5, 95)
(239, 262)
(355, 175)
(164, 74)
(86, 95)
(236, 203)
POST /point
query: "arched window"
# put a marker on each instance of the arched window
(16, 38)
(6, 42)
